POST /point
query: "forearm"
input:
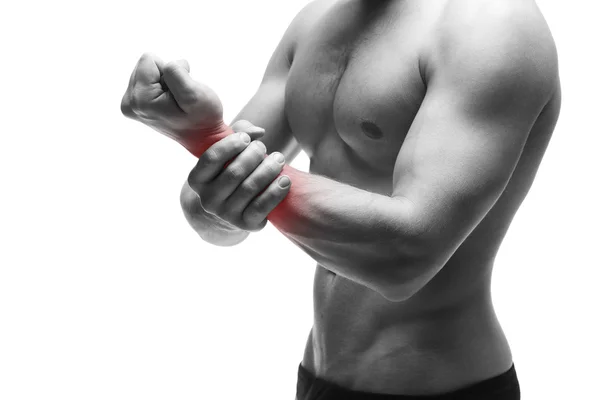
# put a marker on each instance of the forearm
(363, 236)
(360, 235)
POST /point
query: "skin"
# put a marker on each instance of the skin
(425, 124)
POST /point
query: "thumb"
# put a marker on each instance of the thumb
(242, 125)
(177, 79)
(184, 64)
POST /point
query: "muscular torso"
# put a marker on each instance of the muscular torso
(355, 85)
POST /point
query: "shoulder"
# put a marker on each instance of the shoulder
(298, 27)
(306, 18)
(312, 10)
(502, 45)
(282, 57)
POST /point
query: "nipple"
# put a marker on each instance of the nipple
(371, 130)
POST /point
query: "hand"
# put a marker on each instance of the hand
(244, 192)
(165, 97)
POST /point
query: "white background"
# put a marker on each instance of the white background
(105, 291)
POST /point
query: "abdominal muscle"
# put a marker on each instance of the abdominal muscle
(427, 345)
(443, 338)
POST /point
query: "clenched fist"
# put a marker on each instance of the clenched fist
(166, 98)
(234, 178)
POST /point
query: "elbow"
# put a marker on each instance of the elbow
(408, 262)
(417, 260)
(407, 278)
(399, 284)
(394, 297)
(398, 293)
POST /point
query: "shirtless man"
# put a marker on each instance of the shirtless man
(425, 123)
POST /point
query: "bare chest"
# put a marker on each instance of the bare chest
(354, 88)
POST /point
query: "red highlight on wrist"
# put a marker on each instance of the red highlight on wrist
(281, 215)
(198, 145)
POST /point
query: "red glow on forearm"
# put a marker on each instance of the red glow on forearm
(285, 214)
(282, 215)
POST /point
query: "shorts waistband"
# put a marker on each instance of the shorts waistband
(503, 382)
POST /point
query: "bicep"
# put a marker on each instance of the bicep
(454, 164)
(466, 140)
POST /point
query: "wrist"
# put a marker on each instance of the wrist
(205, 137)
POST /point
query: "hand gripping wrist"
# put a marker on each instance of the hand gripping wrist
(278, 215)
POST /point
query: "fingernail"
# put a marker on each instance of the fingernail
(284, 182)
(245, 137)
(256, 129)
(261, 145)
(279, 158)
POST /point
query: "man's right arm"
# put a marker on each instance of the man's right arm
(266, 109)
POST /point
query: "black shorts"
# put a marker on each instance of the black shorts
(501, 387)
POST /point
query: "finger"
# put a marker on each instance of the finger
(188, 198)
(259, 208)
(126, 99)
(258, 227)
(212, 161)
(235, 173)
(165, 105)
(254, 184)
(182, 63)
(254, 131)
(126, 109)
(148, 69)
(176, 76)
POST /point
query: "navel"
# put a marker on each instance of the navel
(371, 130)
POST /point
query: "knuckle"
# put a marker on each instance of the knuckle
(170, 68)
(194, 182)
(187, 93)
(138, 101)
(147, 55)
(209, 204)
(234, 173)
(248, 187)
(134, 100)
(273, 167)
(258, 207)
(249, 214)
(231, 216)
(126, 106)
(210, 156)
(259, 148)
(273, 195)
(237, 141)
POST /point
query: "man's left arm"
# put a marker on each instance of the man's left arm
(485, 92)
